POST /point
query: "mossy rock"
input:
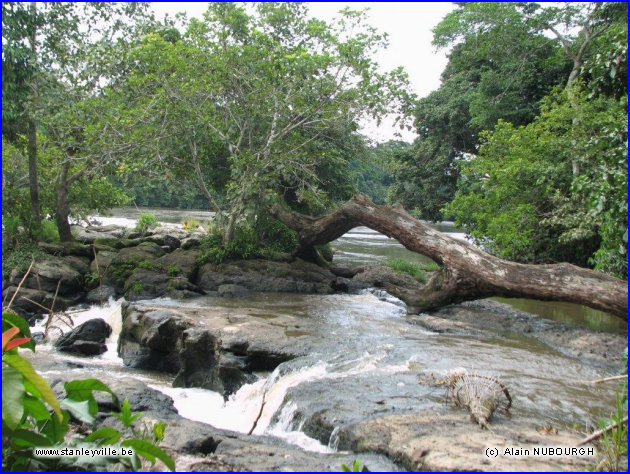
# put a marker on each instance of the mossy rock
(127, 261)
(67, 248)
(115, 243)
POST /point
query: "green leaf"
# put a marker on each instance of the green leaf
(150, 451)
(81, 390)
(24, 367)
(36, 408)
(27, 438)
(12, 397)
(355, 466)
(55, 429)
(79, 409)
(108, 434)
(126, 416)
(345, 468)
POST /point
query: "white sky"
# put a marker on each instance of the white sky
(408, 25)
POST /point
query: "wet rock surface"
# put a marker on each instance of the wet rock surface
(601, 349)
(87, 339)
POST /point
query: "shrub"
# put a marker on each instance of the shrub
(190, 223)
(416, 270)
(48, 231)
(172, 270)
(32, 416)
(145, 222)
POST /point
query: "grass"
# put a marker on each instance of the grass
(416, 270)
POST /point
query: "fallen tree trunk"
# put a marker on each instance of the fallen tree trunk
(467, 273)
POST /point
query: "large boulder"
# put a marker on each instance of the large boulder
(203, 364)
(181, 263)
(267, 276)
(151, 339)
(147, 284)
(47, 274)
(125, 262)
(31, 304)
(67, 248)
(86, 339)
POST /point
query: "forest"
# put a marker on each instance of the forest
(524, 144)
(249, 342)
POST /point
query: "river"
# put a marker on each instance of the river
(365, 360)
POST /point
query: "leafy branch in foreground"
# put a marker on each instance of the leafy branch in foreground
(32, 416)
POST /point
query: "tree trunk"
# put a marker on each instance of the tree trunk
(467, 272)
(32, 138)
(32, 175)
(63, 208)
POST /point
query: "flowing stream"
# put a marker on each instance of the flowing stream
(366, 353)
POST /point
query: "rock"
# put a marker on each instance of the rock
(67, 248)
(147, 284)
(190, 242)
(101, 262)
(123, 264)
(267, 276)
(100, 294)
(86, 339)
(40, 302)
(151, 337)
(221, 352)
(181, 263)
(203, 364)
(232, 291)
(88, 235)
(80, 264)
(47, 274)
(343, 271)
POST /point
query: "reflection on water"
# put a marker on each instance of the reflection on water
(363, 246)
(569, 313)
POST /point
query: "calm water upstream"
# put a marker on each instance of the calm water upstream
(362, 245)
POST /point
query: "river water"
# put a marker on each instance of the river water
(365, 354)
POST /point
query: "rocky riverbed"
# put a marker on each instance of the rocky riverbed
(322, 355)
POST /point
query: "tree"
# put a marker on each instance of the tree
(466, 272)
(570, 164)
(58, 57)
(280, 92)
(500, 67)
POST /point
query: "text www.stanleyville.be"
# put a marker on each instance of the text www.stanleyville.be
(541, 452)
(103, 451)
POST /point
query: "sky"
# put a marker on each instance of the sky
(408, 25)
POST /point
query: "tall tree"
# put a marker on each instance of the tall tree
(499, 67)
(58, 56)
(275, 88)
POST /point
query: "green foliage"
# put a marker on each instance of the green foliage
(146, 221)
(500, 67)
(48, 231)
(149, 265)
(266, 238)
(20, 257)
(27, 420)
(356, 467)
(416, 270)
(260, 138)
(520, 200)
(136, 287)
(173, 270)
